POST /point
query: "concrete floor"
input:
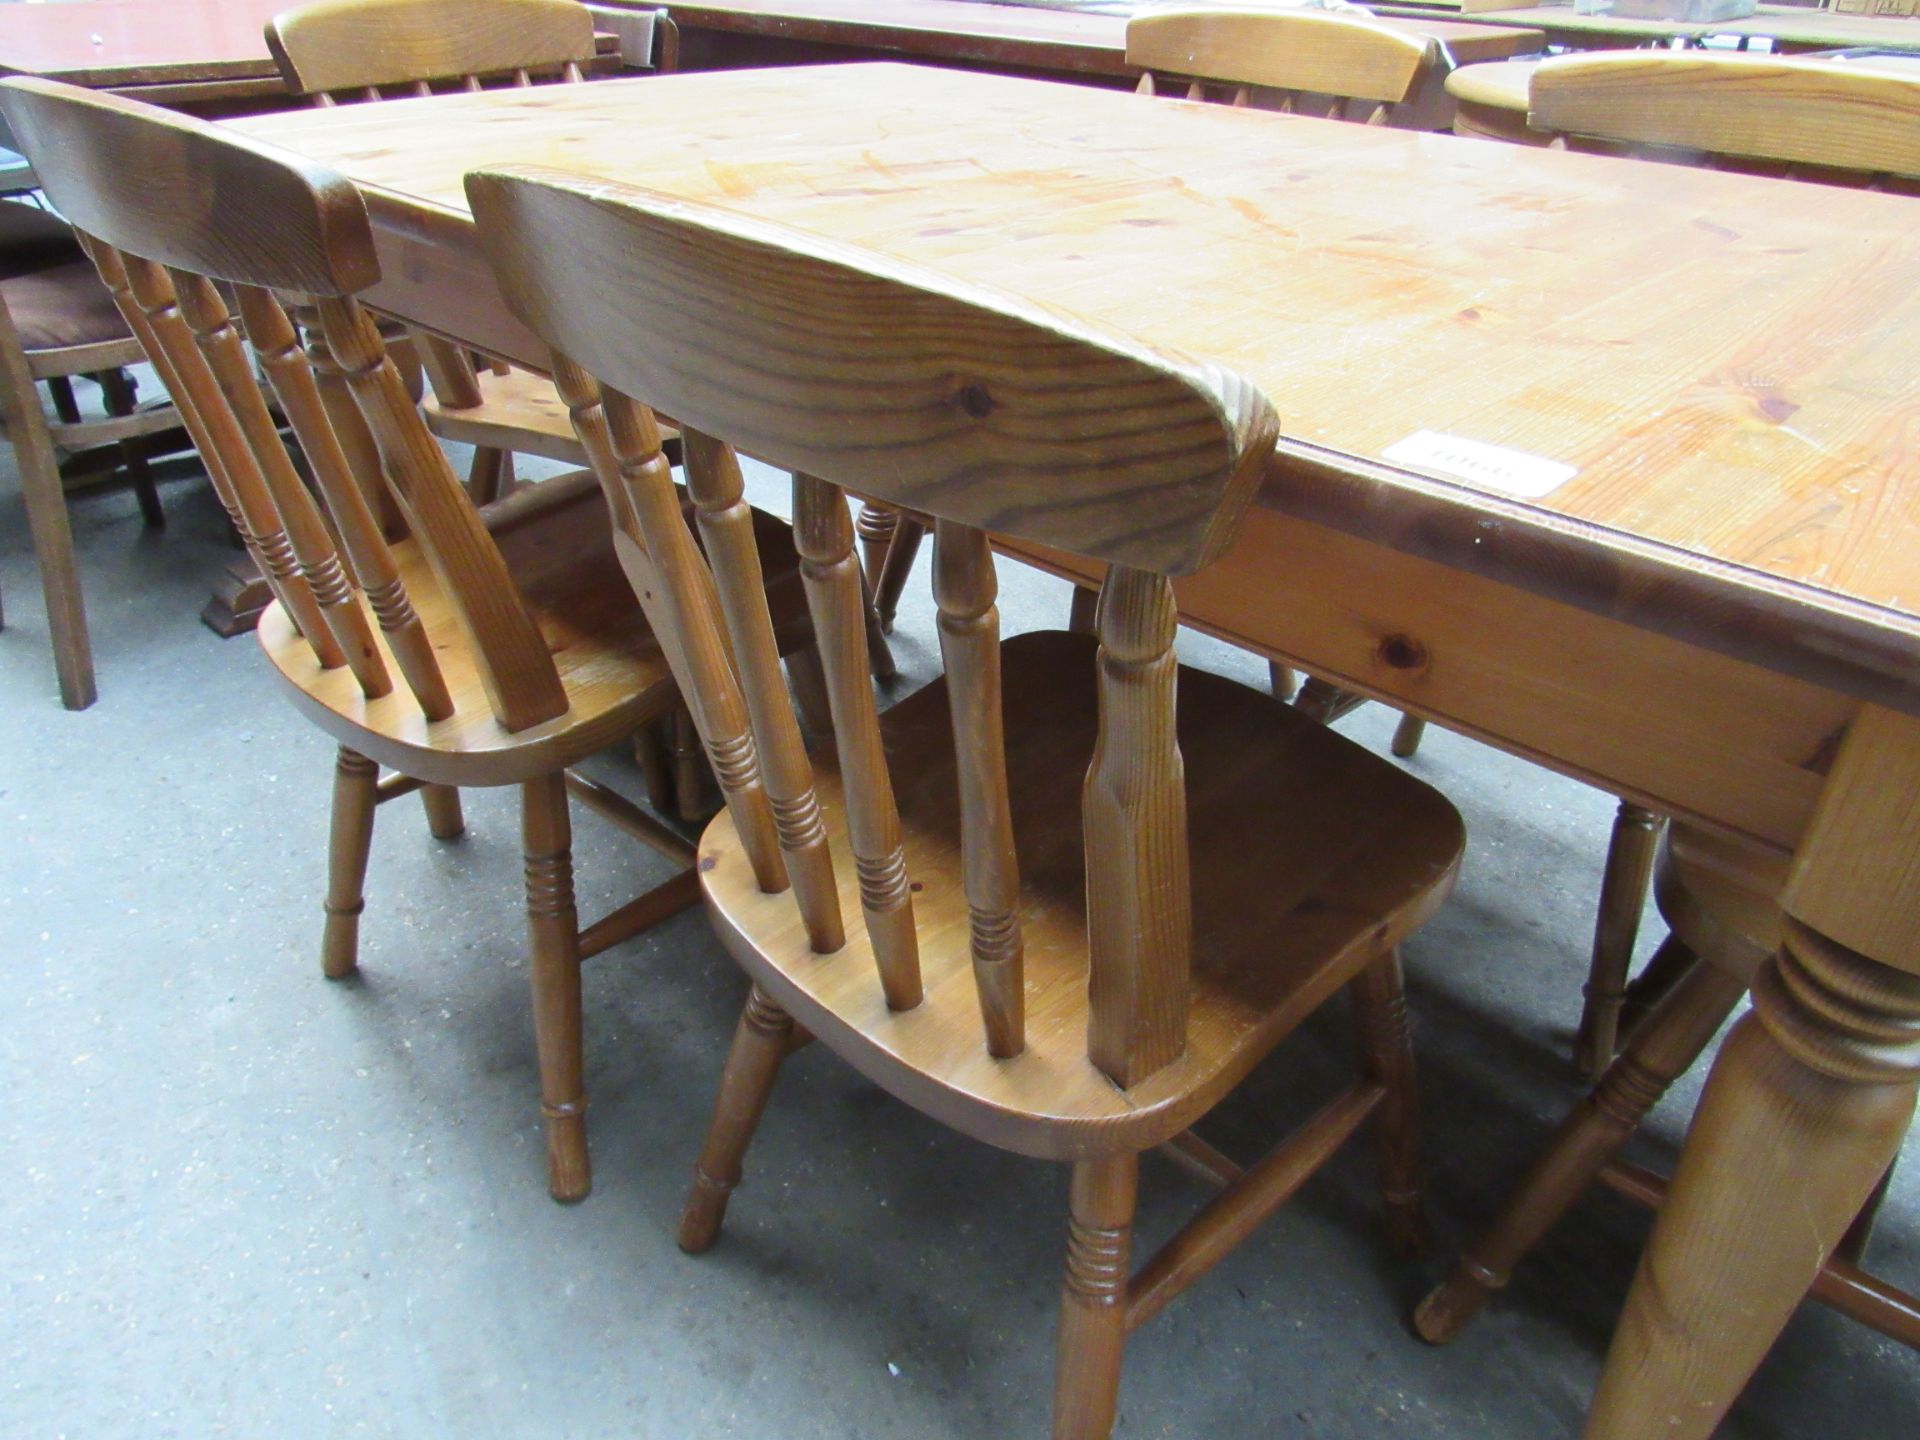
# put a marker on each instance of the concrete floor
(239, 1200)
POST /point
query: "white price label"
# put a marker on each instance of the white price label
(1494, 467)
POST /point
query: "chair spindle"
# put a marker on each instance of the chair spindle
(207, 317)
(823, 532)
(521, 683)
(726, 525)
(1134, 817)
(676, 591)
(277, 344)
(260, 523)
(965, 589)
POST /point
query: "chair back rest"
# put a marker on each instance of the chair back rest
(1736, 108)
(1281, 59)
(359, 46)
(982, 411)
(167, 206)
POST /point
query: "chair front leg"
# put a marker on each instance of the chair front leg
(1386, 1057)
(1093, 1301)
(763, 1038)
(355, 794)
(555, 928)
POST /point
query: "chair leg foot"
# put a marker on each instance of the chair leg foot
(1407, 735)
(760, 1042)
(1093, 1301)
(355, 794)
(444, 818)
(547, 837)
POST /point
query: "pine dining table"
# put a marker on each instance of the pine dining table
(1613, 465)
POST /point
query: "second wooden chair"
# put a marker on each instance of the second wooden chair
(1077, 971)
(487, 649)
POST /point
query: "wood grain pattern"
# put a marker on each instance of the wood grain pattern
(218, 205)
(1501, 316)
(341, 44)
(1134, 810)
(1769, 107)
(1310, 52)
(927, 403)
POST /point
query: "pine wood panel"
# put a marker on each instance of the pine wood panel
(1729, 383)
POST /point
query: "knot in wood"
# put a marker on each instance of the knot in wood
(975, 400)
(1403, 652)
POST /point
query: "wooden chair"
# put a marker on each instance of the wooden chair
(1297, 61)
(484, 650)
(1717, 896)
(1162, 927)
(57, 322)
(1843, 123)
(347, 50)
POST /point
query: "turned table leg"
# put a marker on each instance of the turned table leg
(1803, 1111)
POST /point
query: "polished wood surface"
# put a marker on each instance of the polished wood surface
(1464, 318)
(1006, 36)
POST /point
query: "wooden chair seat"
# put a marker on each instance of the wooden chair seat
(558, 546)
(1284, 913)
(32, 238)
(517, 411)
(61, 307)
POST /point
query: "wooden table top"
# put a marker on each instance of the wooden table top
(1730, 378)
(138, 42)
(1000, 34)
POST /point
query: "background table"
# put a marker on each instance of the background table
(1792, 28)
(727, 34)
(1713, 616)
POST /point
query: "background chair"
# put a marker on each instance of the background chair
(1077, 1004)
(517, 643)
(58, 322)
(1804, 119)
(347, 50)
(1308, 62)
